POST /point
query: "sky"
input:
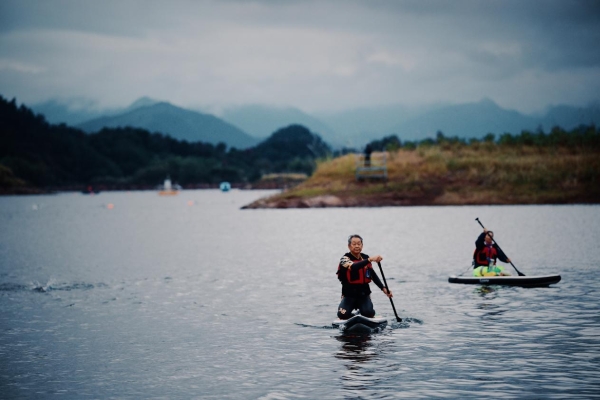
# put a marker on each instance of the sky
(317, 56)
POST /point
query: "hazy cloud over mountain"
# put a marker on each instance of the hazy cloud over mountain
(313, 55)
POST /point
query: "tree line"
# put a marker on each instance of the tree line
(36, 153)
(584, 136)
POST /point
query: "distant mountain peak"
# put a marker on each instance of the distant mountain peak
(144, 101)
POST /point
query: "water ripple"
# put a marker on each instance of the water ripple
(161, 300)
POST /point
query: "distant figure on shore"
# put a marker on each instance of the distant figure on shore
(368, 151)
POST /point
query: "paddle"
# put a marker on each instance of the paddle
(518, 272)
(388, 290)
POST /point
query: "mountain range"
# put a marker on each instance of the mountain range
(245, 126)
(177, 122)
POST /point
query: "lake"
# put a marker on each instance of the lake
(134, 295)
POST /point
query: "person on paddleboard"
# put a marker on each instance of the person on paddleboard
(486, 255)
(355, 272)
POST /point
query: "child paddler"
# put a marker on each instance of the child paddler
(486, 255)
(355, 272)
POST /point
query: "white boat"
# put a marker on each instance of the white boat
(168, 189)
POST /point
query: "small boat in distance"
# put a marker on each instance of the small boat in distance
(225, 186)
(168, 189)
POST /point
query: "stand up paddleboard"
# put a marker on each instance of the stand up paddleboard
(360, 324)
(523, 281)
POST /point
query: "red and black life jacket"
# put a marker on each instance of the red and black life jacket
(483, 255)
(356, 277)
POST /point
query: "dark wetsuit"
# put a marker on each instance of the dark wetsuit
(357, 296)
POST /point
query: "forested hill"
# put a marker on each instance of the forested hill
(36, 155)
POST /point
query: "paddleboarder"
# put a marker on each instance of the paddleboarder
(355, 272)
(486, 255)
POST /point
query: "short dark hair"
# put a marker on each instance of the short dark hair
(352, 237)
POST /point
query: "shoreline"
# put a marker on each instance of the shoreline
(27, 191)
(460, 175)
(332, 201)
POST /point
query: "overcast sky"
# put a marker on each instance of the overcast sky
(314, 55)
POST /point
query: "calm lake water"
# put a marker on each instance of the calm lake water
(133, 295)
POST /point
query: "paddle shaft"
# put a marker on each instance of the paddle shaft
(388, 290)
(494, 240)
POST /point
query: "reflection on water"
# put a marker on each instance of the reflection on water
(486, 291)
(355, 348)
(490, 308)
(370, 361)
(360, 357)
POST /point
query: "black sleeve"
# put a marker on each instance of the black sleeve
(376, 280)
(501, 256)
(359, 265)
(480, 242)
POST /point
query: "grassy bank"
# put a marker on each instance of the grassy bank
(479, 173)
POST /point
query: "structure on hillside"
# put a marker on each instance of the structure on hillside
(371, 166)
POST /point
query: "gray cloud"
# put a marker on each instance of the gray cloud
(314, 55)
